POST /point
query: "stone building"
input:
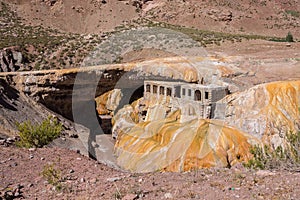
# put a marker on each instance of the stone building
(194, 100)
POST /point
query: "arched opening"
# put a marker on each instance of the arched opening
(197, 95)
(177, 91)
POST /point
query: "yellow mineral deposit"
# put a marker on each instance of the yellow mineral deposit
(268, 111)
(257, 115)
(108, 102)
(173, 146)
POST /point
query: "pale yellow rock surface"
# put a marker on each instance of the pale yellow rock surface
(169, 145)
(262, 114)
(191, 69)
(108, 102)
(267, 111)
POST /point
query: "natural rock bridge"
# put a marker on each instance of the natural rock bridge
(71, 92)
(56, 89)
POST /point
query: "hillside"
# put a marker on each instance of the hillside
(272, 18)
(63, 34)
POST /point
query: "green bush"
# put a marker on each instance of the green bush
(53, 176)
(33, 135)
(289, 37)
(293, 13)
(266, 158)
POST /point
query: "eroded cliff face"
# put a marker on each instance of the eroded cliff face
(262, 114)
(267, 111)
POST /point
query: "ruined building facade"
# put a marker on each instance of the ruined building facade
(194, 100)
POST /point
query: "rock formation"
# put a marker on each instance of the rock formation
(250, 117)
(267, 111)
(262, 114)
(108, 102)
(10, 60)
(169, 145)
(55, 88)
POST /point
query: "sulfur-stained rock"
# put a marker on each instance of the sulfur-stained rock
(108, 102)
(204, 70)
(267, 111)
(169, 145)
(262, 114)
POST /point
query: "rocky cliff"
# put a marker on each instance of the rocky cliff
(16, 107)
(10, 59)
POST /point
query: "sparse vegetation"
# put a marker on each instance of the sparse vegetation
(43, 42)
(293, 13)
(206, 37)
(53, 176)
(289, 37)
(73, 48)
(267, 158)
(117, 194)
(38, 135)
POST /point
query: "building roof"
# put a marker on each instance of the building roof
(189, 85)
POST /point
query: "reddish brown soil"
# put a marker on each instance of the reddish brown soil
(273, 18)
(83, 178)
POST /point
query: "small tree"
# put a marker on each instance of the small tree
(289, 37)
(53, 176)
(33, 135)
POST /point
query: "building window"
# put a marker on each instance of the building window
(161, 90)
(189, 92)
(155, 89)
(177, 91)
(197, 95)
(206, 95)
(147, 88)
(169, 92)
(183, 91)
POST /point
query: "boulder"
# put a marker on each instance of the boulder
(10, 59)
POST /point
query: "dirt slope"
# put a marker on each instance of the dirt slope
(75, 15)
(252, 17)
(82, 178)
